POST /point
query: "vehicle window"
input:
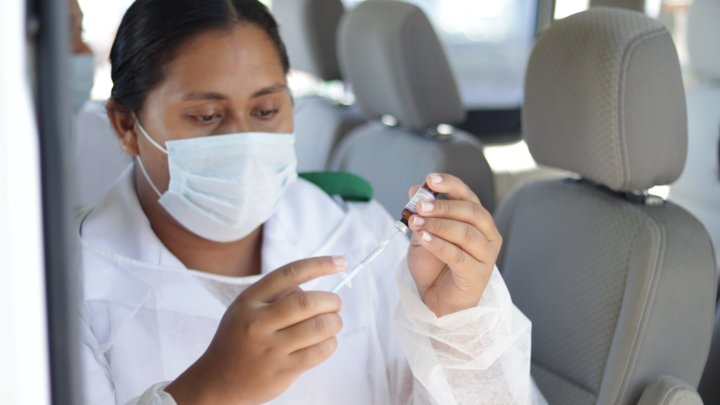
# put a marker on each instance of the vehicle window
(564, 8)
(673, 13)
(100, 23)
(488, 43)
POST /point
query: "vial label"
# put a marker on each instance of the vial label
(421, 194)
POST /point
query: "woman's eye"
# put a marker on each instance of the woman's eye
(265, 113)
(208, 118)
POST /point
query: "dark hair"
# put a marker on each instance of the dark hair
(153, 31)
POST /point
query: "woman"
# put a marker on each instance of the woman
(201, 101)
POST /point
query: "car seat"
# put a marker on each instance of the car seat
(309, 30)
(97, 157)
(619, 284)
(392, 57)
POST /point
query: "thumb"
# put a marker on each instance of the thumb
(286, 279)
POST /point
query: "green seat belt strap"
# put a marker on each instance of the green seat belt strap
(350, 187)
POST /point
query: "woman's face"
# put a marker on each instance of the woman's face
(220, 83)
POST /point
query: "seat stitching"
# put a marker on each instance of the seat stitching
(672, 392)
(638, 339)
(622, 138)
(511, 222)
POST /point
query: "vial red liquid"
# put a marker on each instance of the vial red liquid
(423, 193)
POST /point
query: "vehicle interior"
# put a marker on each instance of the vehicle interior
(588, 128)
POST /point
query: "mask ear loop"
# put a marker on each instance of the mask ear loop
(142, 168)
(139, 160)
(152, 141)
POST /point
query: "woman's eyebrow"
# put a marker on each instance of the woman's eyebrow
(270, 90)
(204, 95)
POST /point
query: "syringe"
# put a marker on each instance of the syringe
(355, 270)
(422, 193)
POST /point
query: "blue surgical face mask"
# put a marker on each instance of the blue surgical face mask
(222, 187)
(83, 79)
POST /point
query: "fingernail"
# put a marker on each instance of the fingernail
(418, 221)
(339, 262)
(436, 178)
(427, 206)
(426, 237)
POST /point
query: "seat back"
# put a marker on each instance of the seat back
(320, 125)
(309, 30)
(98, 159)
(392, 57)
(619, 285)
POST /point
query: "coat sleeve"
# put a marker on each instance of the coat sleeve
(477, 356)
(404, 387)
(155, 395)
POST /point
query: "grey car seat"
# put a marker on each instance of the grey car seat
(309, 30)
(97, 157)
(619, 285)
(398, 69)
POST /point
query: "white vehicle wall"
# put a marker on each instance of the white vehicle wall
(24, 371)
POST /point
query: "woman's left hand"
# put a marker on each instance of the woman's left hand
(454, 248)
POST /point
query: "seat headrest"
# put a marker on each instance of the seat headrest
(392, 57)
(604, 98)
(703, 39)
(309, 30)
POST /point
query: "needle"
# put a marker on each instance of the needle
(355, 270)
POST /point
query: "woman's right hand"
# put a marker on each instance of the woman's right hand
(271, 334)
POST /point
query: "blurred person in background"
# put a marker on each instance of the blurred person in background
(97, 157)
(82, 61)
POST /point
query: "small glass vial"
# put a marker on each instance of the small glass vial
(423, 193)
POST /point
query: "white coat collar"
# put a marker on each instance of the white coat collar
(304, 224)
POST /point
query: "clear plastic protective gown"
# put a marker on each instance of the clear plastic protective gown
(146, 317)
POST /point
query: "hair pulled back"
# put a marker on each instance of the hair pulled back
(153, 31)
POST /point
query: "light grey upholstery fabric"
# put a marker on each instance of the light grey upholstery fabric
(393, 159)
(703, 39)
(97, 156)
(393, 58)
(604, 98)
(309, 30)
(619, 293)
(668, 390)
(394, 61)
(319, 126)
(560, 390)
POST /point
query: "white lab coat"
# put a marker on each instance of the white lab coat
(147, 318)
